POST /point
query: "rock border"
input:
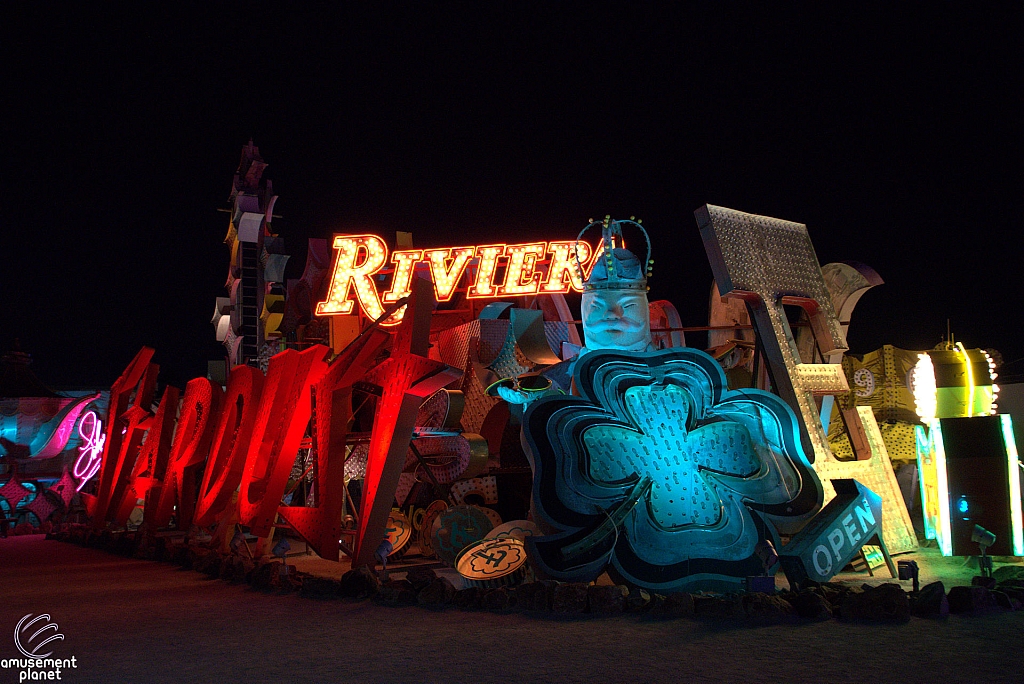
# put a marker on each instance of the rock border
(884, 603)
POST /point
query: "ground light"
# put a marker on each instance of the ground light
(984, 539)
(908, 570)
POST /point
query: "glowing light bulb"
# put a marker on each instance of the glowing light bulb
(970, 378)
(924, 388)
(358, 258)
(521, 276)
(446, 269)
(563, 272)
(401, 283)
(483, 286)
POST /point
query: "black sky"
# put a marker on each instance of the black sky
(894, 133)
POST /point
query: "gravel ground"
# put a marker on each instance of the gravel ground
(140, 621)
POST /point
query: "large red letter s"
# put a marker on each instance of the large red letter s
(139, 377)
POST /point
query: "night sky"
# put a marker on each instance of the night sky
(893, 133)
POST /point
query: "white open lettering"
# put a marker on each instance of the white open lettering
(835, 538)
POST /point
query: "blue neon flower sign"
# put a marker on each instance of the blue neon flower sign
(663, 476)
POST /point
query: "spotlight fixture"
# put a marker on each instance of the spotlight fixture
(281, 548)
(765, 550)
(908, 570)
(237, 540)
(381, 554)
(984, 539)
(765, 583)
(281, 551)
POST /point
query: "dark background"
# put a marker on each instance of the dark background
(892, 132)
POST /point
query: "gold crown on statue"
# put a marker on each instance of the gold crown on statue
(616, 268)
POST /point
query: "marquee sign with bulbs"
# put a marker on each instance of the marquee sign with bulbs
(361, 263)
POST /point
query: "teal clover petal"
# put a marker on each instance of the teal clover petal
(660, 473)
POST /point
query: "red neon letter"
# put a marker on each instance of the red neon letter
(407, 377)
(321, 526)
(152, 459)
(283, 417)
(191, 445)
(230, 443)
(140, 377)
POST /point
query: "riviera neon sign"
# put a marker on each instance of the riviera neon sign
(90, 453)
(359, 258)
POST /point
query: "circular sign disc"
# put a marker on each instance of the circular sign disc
(492, 514)
(398, 531)
(457, 528)
(517, 529)
(493, 562)
(427, 526)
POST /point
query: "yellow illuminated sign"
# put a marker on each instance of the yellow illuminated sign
(1012, 463)
(965, 391)
(360, 263)
(931, 459)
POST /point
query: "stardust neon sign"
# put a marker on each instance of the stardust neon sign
(91, 452)
(361, 259)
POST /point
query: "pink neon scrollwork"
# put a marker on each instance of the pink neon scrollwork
(90, 453)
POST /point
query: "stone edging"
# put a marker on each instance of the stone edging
(883, 603)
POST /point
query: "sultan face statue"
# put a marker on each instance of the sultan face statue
(615, 311)
(616, 314)
(616, 319)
